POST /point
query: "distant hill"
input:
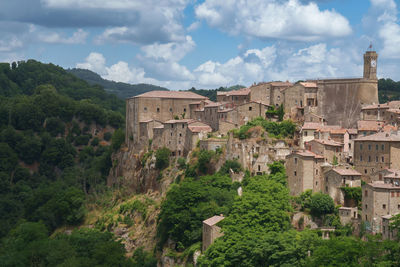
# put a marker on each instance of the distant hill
(212, 93)
(122, 90)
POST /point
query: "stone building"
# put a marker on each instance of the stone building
(180, 136)
(240, 115)
(236, 97)
(379, 199)
(376, 152)
(307, 132)
(304, 171)
(340, 177)
(328, 149)
(269, 93)
(213, 144)
(155, 105)
(300, 95)
(368, 127)
(211, 231)
(348, 215)
(388, 232)
(380, 175)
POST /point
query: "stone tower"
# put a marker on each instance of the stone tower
(370, 64)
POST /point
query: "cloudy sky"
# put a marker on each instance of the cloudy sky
(204, 43)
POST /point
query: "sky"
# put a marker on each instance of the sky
(181, 44)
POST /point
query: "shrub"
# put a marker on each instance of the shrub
(182, 163)
(82, 140)
(118, 139)
(95, 141)
(107, 136)
(321, 204)
(162, 158)
(230, 164)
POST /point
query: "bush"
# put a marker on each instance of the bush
(162, 158)
(118, 139)
(230, 164)
(107, 136)
(182, 163)
(82, 140)
(321, 204)
(95, 141)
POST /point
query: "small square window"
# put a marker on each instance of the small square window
(383, 159)
(158, 109)
(184, 109)
(376, 147)
(295, 173)
(384, 206)
(170, 109)
(383, 147)
(145, 108)
(250, 108)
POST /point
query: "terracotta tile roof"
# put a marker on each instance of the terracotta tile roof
(213, 104)
(394, 104)
(338, 131)
(382, 185)
(369, 125)
(146, 121)
(393, 174)
(309, 84)
(380, 136)
(312, 126)
(213, 220)
(171, 94)
(180, 121)
(346, 171)
(225, 110)
(198, 128)
(244, 91)
(352, 131)
(277, 84)
(389, 128)
(306, 153)
(376, 106)
(329, 128)
(392, 110)
(326, 142)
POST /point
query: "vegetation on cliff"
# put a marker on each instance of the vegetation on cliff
(284, 129)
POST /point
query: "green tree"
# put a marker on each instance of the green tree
(321, 204)
(162, 158)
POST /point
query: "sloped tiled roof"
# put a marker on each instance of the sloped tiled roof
(180, 121)
(376, 106)
(171, 94)
(309, 84)
(326, 142)
(312, 126)
(380, 136)
(306, 153)
(346, 171)
(244, 91)
(369, 125)
(213, 220)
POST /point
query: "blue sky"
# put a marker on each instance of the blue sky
(206, 44)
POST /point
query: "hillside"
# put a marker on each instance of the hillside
(122, 90)
(388, 90)
(212, 93)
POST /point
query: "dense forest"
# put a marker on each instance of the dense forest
(57, 134)
(122, 90)
(389, 90)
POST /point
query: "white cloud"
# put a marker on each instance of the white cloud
(289, 19)
(78, 37)
(94, 62)
(173, 51)
(194, 26)
(11, 44)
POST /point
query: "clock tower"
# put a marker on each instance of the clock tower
(370, 64)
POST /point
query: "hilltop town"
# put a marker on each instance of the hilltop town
(344, 140)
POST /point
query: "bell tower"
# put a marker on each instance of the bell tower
(370, 65)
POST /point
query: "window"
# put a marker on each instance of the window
(179, 152)
(365, 171)
(316, 171)
(369, 147)
(184, 109)
(383, 159)
(171, 134)
(145, 108)
(170, 109)
(305, 133)
(383, 147)
(295, 173)
(349, 146)
(366, 217)
(360, 157)
(366, 193)
(295, 160)
(259, 168)
(376, 147)
(369, 158)
(183, 126)
(376, 159)
(172, 126)
(179, 142)
(250, 108)
(384, 206)
(158, 109)
(360, 146)
(326, 189)
(366, 206)
(398, 206)
(180, 135)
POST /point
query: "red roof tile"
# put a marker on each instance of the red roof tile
(171, 94)
(312, 126)
(244, 91)
(346, 171)
(380, 136)
(369, 125)
(309, 84)
(326, 142)
(213, 220)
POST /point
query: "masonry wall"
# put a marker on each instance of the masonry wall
(340, 100)
(366, 155)
(261, 92)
